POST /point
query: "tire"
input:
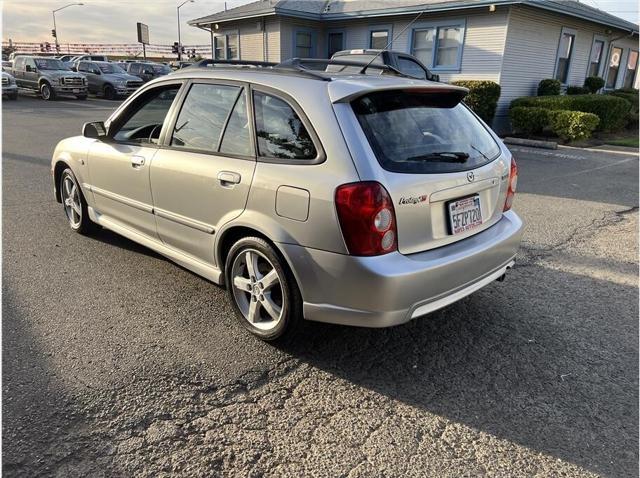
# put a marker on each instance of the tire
(47, 93)
(82, 97)
(74, 204)
(109, 92)
(13, 97)
(271, 296)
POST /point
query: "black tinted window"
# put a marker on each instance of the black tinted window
(423, 133)
(236, 136)
(411, 68)
(280, 132)
(143, 120)
(203, 116)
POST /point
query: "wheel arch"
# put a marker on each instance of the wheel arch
(230, 235)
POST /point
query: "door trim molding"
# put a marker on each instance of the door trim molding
(185, 221)
(121, 199)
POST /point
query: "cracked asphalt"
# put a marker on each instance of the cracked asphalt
(117, 362)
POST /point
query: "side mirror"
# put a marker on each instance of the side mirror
(74, 68)
(436, 77)
(28, 68)
(95, 130)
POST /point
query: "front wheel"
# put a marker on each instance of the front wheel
(263, 291)
(109, 92)
(82, 97)
(47, 92)
(13, 97)
(75, 206)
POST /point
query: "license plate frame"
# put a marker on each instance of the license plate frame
(457, 207)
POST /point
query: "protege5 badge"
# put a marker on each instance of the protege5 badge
(412, 200)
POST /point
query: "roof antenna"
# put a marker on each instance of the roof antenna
(364, 69)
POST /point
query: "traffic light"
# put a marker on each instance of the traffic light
(41, 47)
(53, 33)
(182, 51)
(47, 46)
(174, 49)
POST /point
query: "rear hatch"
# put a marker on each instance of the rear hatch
(445, 172)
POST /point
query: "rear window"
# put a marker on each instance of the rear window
(423, 132)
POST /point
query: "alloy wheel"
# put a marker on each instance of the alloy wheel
(71, 201)
(257, 289)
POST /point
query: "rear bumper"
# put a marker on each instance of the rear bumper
(392, 289)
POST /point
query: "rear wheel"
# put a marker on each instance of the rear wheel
(48, 94)
(263, 291)
(75, 206)
(109, 92)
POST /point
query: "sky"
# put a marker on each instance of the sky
(114, 21)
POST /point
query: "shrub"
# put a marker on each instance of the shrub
(573, 125)
(577, 90)
(611, 110)
(630, 95)
(593, 83)
(482, 98)
(549, 87)
(529, 120)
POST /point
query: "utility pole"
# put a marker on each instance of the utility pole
(54, 32)
(179, 41)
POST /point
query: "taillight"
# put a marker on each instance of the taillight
(513, 182)
(367, 218)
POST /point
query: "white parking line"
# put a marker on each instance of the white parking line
(540, 152)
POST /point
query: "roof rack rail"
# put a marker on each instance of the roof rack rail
(205, 63)
(298, 63)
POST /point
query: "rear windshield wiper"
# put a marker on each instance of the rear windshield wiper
(444, 157)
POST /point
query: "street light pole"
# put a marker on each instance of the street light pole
(55, 29)
(179, 41)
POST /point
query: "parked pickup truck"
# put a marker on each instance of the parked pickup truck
(9, 88)
(49, 76)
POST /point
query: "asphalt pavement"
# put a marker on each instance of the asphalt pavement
(117, 362)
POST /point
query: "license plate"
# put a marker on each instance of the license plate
(76, 90)
(465, 214)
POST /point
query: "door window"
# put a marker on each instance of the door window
(142, 121)
(614, 67)
(632, 67)
(336, 43)
(235, 139)
(565, 51)
(596, 58)
(280, 132)
(203, 116)
(411, 68)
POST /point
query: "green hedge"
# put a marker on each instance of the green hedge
(593, 83)
(528, 120)
(578, 90)
(549, 87)
(573, 125)
(612, 111)
(482, 98)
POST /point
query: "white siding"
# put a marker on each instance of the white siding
(531, 49)
(485, 36)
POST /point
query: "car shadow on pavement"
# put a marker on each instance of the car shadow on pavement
(547, 360)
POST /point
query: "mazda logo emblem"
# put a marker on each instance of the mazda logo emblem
(470, 176)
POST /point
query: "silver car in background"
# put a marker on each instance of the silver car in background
(355, 199)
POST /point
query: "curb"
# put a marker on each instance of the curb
(533, 143)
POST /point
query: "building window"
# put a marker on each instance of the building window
(378, 39)
(565, 52)
(304, 45)
(632, 68)
(439, 46)
(226, 47)
(596, 58)
(335, 43)
(614, 67)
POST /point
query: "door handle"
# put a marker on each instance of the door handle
(137, 161)
(228, 178)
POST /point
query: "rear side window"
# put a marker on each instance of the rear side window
(280, 132)
(411, 68)
(203, 116)
(423, 132)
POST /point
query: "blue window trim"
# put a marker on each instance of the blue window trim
(385, 27)
(344, 38)
(460, 23)
(314, 43)
(572, 53)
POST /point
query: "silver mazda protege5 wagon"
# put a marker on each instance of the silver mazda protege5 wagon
(363, 198)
